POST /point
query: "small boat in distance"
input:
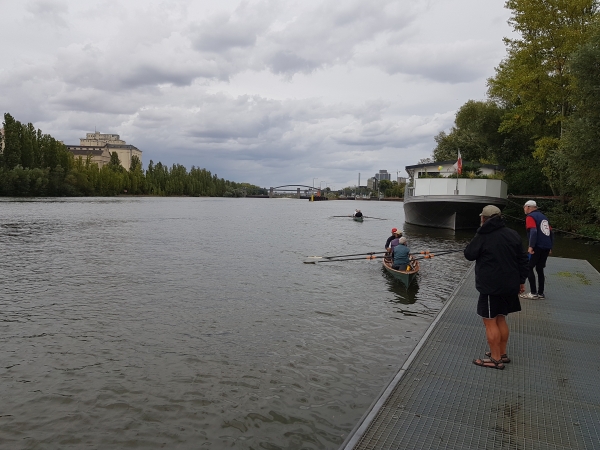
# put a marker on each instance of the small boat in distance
(357, 219)
(406, 276)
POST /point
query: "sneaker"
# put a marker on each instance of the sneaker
(541, 296)
(529, 296)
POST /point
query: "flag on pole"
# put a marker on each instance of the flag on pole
(458, 164)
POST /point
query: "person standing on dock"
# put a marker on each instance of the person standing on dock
(541, 239)
(500, 273)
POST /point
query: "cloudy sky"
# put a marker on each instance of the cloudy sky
(269, 92)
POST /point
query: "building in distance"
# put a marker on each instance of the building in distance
(373, 182)
(383, 175)
(100, 146)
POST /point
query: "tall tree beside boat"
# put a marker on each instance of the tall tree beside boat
(540, 121)
(476, 132)
(580, 145)
(533, 83)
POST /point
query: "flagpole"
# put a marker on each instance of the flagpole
(456, 191)
(457, 169)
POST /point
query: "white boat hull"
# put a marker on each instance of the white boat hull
(456, 212)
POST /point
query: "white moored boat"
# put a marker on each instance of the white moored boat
(433, 199)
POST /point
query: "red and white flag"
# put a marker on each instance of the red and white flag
(458, 164)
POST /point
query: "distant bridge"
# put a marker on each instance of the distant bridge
(288, 188)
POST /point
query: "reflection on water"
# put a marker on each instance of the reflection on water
(402, 294)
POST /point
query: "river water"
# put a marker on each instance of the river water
(188, 323)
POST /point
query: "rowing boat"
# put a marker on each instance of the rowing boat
(406, 276)
(357, 219)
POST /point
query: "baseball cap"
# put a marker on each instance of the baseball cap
(530, 203)
(490, 210)
(394, 230)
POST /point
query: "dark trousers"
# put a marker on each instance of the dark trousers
(537, 261)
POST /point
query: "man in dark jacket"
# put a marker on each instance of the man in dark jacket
(395, 235)
(500, 274)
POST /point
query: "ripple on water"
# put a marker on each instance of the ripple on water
(190, 323)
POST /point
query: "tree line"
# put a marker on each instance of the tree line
(35, 164)
(541, 118)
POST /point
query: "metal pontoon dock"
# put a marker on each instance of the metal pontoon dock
(548, 397)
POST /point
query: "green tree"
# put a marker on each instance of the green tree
(136, 164)
(385, 187)
(533, 84)
(11, 154)
(27, 137)
(580, 146)
(115, 163)
(475, 133)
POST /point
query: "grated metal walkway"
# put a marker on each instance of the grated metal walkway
(548, 397)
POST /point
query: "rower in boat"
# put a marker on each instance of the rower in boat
(401, 255)
(357, 216)
(395, 242)
(401, 264)
(396, 234)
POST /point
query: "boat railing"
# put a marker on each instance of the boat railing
(409, 192)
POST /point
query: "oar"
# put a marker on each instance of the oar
(378, 218)
(315, 261)
(424, 252)
(342, 216)
(344, 256)
(431, 255)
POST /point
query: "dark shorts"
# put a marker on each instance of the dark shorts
(490, 306)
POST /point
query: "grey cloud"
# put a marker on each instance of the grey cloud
(242, 126)
(331, 34)
(440, 71)
(91, 101)
(49, 11)
(446, 63)
(288, 62)
(237, 30)
(259, 130)
(89, 67)
(221, 34)
(148, 74)
(301, 42)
